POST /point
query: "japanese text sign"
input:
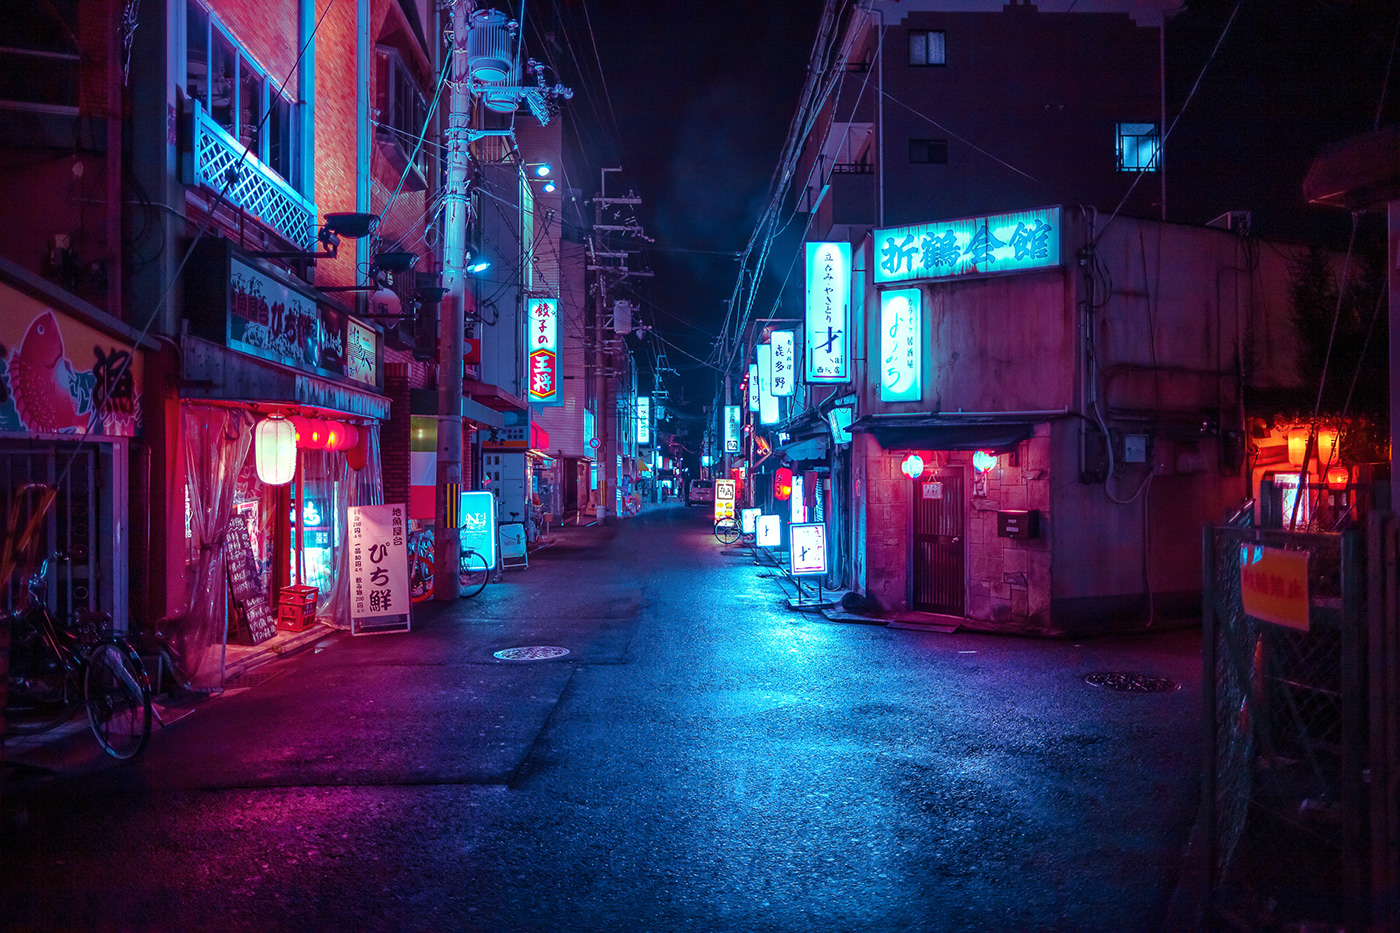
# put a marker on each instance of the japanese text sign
(901, 351)
(724, 498)
(731, 429)
(828, 311)
(378, 560)
(969, 246)
(1274, 585)
(542, 349)
(748, 520)
(752, 388)
(478, 529)
(808, 550)
(767, 401)
(797, 502)
(643, 419)
(770, 531)
(784, 365)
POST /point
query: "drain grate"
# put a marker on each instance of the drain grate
(534, 653)
(251, 679)
(1128, 682)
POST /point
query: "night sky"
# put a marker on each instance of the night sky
(695, 99)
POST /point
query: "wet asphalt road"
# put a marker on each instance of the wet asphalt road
(702, 759)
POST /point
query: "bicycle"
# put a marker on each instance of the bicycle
(474, 573)
(727, 530)
(53, 670)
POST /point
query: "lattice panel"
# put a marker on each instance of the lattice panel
(257, 189)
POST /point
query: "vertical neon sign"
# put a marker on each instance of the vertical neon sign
(643, 419)
(901, 351)
(767, 401)
(542, 344)
(731, 429)
(828, 311)
(784, 363)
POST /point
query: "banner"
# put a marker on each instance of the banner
(378, 561)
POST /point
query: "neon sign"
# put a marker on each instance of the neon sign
(969, 246)
(901, 352)
(542, 345)
(828, 311)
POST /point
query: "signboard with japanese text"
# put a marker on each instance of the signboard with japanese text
(542, 350)
(379, 588)
(643, 419)
(784, 364)
(1274, 585)
(752, 388)
(361, 352)
(748, 520)
(767, 401)
(731, 429)
(828, 311)
(477, 515)
(251, 608)
(724, 498)
(969, 246)
(807, 552)
(797, 502)
(270, 320)
(770, 531)
(901, 352)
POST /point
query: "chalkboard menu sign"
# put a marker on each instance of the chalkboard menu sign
(257, 624)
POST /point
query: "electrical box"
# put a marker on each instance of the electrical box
(1018, 523)
(1134, 448)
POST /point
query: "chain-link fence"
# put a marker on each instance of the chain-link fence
(1287, 753)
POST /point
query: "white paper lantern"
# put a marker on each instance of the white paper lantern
(275, 450)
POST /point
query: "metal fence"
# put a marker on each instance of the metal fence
(1298, 792)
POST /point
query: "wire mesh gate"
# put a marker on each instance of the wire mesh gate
(1287, 752)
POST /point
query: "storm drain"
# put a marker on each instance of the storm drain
(1127, 682)
(533, 653)
(251, 679)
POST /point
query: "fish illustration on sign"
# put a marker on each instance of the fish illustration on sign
(42, 379)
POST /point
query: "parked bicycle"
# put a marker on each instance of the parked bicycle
(474, 572)
(727, 530)
(54, 670)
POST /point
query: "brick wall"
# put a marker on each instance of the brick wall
(268, 31)
(336, 131)
(395, 433)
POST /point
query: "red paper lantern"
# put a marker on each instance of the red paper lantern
(1338, 477)
(318, 431)
(782, 483)
(303, 429)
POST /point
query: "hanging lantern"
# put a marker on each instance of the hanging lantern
(358, 453)
(1338, 477)
(316, 439)
(275, 450)
(302, 427)
(1326, 444)
(982, 460)
(913, 466)
(1298, 445)
(782, 483)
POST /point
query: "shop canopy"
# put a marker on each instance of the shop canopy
(943, 432)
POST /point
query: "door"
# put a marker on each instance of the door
(938, 541)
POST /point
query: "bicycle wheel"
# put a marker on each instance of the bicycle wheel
(41, 694)
(727, 530)
(118, 698)
(420, 565)
(475, 573)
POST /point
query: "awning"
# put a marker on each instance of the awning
(934, 432)
(813, 448)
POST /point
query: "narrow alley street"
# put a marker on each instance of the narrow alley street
(702, 758)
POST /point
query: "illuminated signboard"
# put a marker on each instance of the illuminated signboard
(542, 347)
(901, 353)
(807, 553)
(748, 520)
(840, 419)
(643, 419)
(969, 246)
(784, 364)
(752, 388)
(731, 429)
(797, 501)
(361, 351)
(478, 517)
(828, 311)
(724, 498)
(767, 401)
(770, 531)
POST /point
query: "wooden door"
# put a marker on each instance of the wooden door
(938, 573)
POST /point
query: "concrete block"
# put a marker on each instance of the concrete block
(1020, 602)
(1001, 610)
(1014, 559)
(979, 607)
(1014, 579)
(1001, 591)
(1015, 497)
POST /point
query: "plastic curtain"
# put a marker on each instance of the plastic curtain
(332, 476)
(215, 442)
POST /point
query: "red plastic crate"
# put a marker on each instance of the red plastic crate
(296, 610)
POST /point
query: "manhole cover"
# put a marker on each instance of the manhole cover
(1132, 683)
(533, 653)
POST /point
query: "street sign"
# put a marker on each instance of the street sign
(807, 552)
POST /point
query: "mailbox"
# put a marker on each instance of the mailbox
(1018, 523)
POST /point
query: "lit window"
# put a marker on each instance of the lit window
(928, 151)
(1139, 147)
(926, 47)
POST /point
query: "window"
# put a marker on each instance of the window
(1139, 147)
(402, 108)
(926, 47)
(239, 95)
(39, 56)
(928, 151)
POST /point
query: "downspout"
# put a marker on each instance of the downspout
(365, 132)
(1162, 126)
(306, 102)
(880, 116)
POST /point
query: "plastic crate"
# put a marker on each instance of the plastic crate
(296, 610)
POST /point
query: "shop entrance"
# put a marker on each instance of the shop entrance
(938, 541)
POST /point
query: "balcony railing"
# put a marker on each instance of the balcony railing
(257, 189)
